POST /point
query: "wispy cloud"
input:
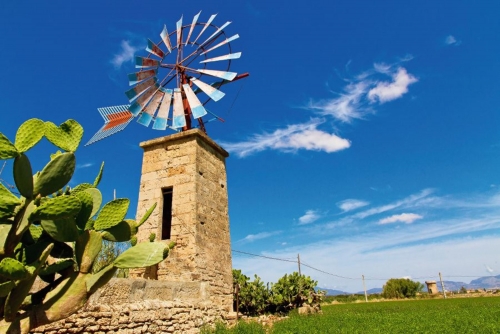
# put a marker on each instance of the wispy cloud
(407, 202)
(126, 53)
(406, 218)
(381, 84)
(86, 165)
(309, 217)
(361, 94)
(451, 40)
(294, 137)
(254, 237)
(351, 204)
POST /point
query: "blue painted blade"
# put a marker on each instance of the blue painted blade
(166, 39)
(144, 119)
(155, 49)
(134, 78)
(178, 119)
(133, 93)
(160, 124)
(142, 100)
(141, 62)
(197, 108)
(214, 93)
(162, 116)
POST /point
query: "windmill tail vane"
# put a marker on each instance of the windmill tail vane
(168, 91)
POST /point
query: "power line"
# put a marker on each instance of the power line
(344, 277)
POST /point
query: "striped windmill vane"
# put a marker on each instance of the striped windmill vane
(181, 73)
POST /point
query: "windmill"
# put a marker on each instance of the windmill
(176, 79)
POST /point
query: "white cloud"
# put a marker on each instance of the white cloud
(86, 165)
(388, 91)
(294, 137)
(309, 217)
(451, 40)
(488, 269)
(126, 54)
(406, 218)
(258, 236)
(358, 98)
(351, 204)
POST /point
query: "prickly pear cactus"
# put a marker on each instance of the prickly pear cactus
(54, 231)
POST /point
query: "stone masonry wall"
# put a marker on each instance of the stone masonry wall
(133, 306)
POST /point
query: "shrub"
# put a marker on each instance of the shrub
(401, 288)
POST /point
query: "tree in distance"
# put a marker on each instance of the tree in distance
(399, 288)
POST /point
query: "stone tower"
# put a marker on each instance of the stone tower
(185, 175)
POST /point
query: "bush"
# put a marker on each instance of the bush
(290, 292)
(401, 288)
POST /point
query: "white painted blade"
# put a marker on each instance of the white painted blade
(205, 27)
(225, 57)
(179, 33)
(162, 116)
(166, 39)
(230, 39)
(197, 108)
(178, 120)
(195, 19)
(229, 76)
(213, 92)
(215, 33)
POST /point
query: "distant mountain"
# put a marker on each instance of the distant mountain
(330, 292)
(485, 282)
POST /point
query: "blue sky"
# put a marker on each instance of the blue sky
(366, 137)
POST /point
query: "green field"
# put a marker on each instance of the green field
(459, 315)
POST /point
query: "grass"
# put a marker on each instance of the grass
(460, 315)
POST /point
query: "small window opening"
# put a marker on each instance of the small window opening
(166, 222)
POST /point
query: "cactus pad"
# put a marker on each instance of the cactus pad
(23, 175)
(96, 199)
(141, 255)
(87, 247)
(7, 149)
(86, 210)
(56, 267)
(99, 176)
(6, 287)
(8, 202)
(66, 136)
(57, 208)
(56, 174)
(13, 269)
(29, 134)
(63, 230)
(112, 214)
(146, 215)
(118, 233)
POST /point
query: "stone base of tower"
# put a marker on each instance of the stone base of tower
(185, 175)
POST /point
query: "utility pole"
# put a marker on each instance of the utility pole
(298, 261)
(442, 286)
(364, 287)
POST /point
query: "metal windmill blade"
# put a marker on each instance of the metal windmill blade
(182, 71)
